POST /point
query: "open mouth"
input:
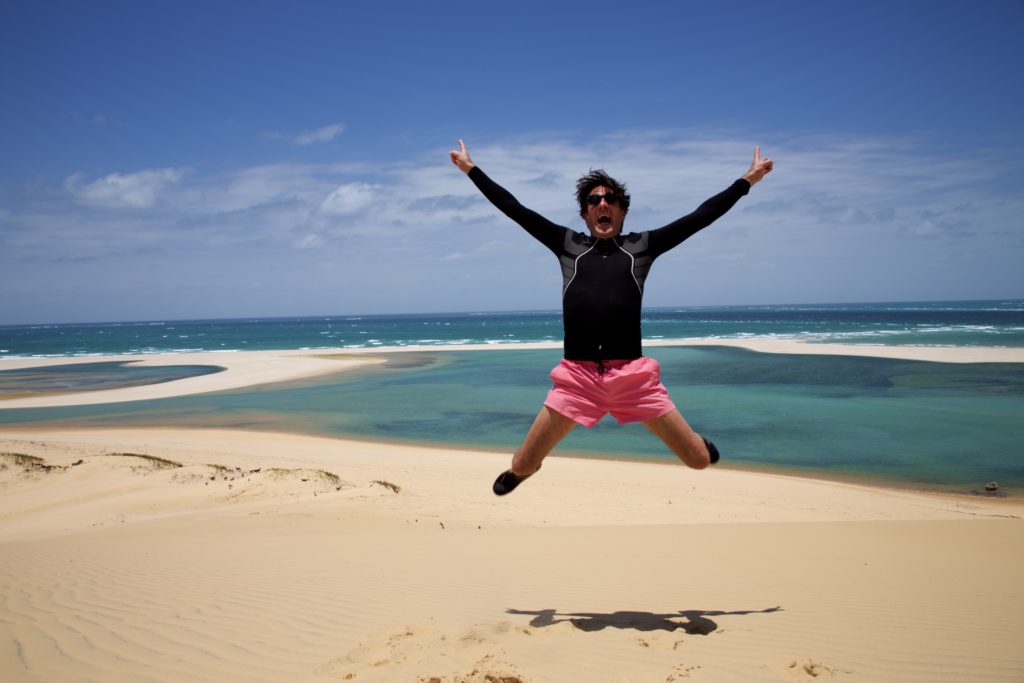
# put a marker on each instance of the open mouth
(604, 220)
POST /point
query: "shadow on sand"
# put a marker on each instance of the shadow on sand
(694, 622)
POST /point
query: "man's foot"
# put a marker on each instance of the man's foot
(712, 451)
(507, 481)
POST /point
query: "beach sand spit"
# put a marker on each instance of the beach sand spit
(255, 368)
(209, 555)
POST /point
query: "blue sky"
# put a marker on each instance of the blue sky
(167, 160)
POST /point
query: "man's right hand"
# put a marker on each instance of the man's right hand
(460, 157)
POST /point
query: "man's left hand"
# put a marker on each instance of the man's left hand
(759, 168)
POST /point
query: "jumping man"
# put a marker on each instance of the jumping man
(604, 370)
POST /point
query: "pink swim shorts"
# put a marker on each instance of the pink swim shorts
(631, 390)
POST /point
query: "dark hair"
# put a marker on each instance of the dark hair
(597, 178)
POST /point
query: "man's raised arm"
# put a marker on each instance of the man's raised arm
(546, 232)
(711, 210)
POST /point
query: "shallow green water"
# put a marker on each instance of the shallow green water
(918, 423)
(95, 376)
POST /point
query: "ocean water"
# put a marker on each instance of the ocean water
(908, 423)
(979, 323)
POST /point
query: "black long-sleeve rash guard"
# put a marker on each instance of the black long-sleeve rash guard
(603, 279)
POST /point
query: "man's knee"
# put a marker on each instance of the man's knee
(697, 461)
(688, 446)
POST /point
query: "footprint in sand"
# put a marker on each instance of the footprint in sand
(805, 669)
(680, 672)
(475, 677)
(474, 656)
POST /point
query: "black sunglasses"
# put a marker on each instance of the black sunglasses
(612, 198)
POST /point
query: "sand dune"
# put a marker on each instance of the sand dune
(236, 556)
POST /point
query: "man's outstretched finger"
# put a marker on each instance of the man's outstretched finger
(460, 157)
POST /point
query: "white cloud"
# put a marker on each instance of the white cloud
(309, 241)
(323, 134)
(132, 190)
(822, 190)
(307, 137)
(833, 210)
(250, 188)
(349, 199)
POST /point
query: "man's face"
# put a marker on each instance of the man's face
(604, 219)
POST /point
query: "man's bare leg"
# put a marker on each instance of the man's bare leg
(687, 444)
(549, 427)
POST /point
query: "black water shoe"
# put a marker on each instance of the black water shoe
(507, 481)
(712, 451)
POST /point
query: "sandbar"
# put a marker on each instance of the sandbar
(254, 368)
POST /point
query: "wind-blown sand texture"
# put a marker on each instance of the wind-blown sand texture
(200, 555)
(271, 557)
